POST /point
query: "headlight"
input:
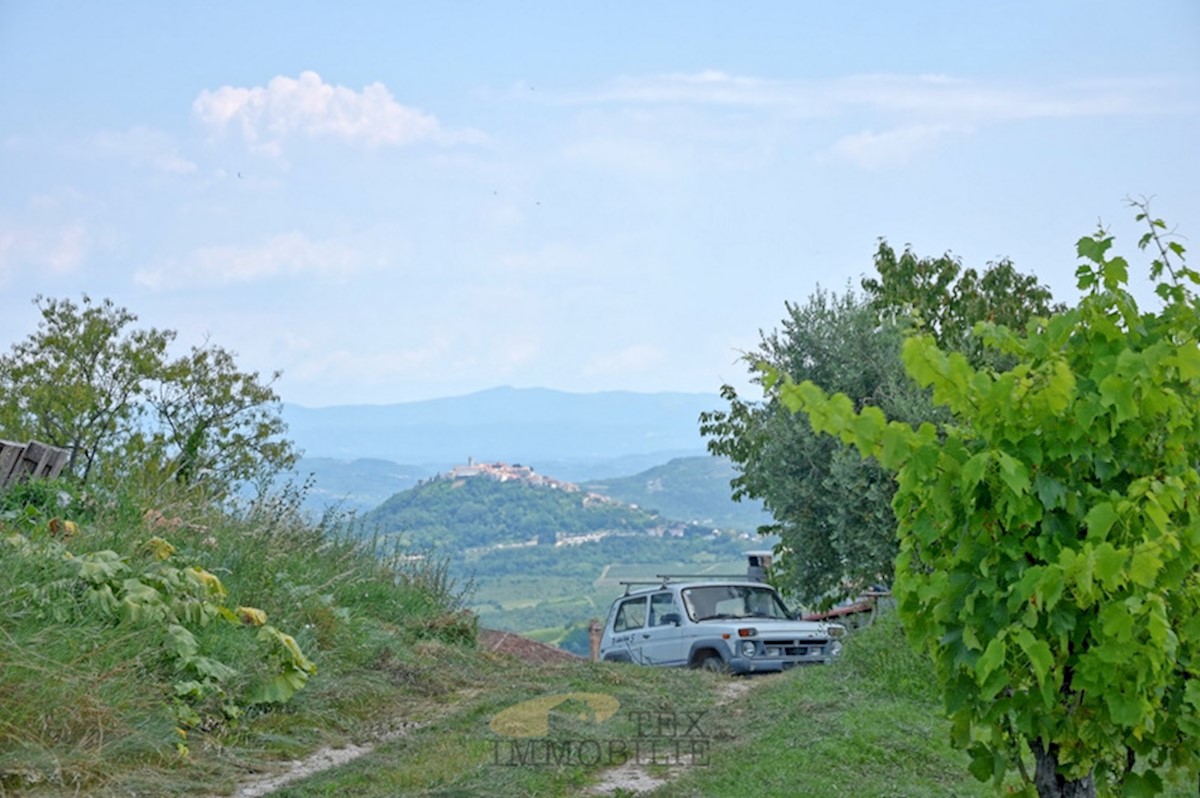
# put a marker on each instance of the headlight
(748, 648)
(836, 630)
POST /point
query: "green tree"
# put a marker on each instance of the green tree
(832, 510)
(220, 425)
(1050, 530)
(947, 301)
(78, 382)
(91, 382)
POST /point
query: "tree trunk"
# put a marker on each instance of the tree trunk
(1050, 783)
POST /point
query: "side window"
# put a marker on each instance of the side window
(661, 605)
(630, 615)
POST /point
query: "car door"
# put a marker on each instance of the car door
(629, 624)
(662, 637)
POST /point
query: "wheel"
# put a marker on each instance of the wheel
(713, 664)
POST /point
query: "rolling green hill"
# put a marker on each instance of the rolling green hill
(472, 512)
(354, 484)
(547, 559)
(690, 489)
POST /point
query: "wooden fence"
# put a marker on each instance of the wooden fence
(32, 460)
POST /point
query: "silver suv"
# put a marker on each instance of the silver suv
(732, 625)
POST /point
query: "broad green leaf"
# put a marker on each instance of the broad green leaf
(986, 764)
(1093, 247)
(1191, 693)
(137, 591)
(1187, 361)
(898, 442)
(974, 469)
(1078, 569)
(1146, 784)
(970, 639)
(1050, 492)
(991, 659)
(1146, 564)
(1110, 565)
(1051, 588)
(1154, 513)
(1038, 652)
(868, 427)
(1014, 473)
(1126, 710)
(213, 669)
(1117, 622)
(182, 643)
(277, 689)
(1116, 273)
(1100, 519)
(1117, 392)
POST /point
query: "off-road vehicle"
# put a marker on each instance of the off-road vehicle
(729, 624)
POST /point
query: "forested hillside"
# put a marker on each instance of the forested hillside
(690, 489)
(547, 559)
(465, 513)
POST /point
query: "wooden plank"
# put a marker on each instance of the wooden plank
(10, 454)
(42, 461)
(32, 461)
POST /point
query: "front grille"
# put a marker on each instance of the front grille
(798, 648)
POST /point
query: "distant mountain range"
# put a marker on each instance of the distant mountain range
(641, 449)
(571, 436)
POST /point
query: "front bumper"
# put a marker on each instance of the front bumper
(762, 663)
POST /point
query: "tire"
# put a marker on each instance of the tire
(713, 664)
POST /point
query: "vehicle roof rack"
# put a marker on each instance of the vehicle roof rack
(664, 579)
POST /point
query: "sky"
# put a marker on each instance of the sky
(398, 201)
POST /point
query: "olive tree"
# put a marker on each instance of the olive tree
(832, 510)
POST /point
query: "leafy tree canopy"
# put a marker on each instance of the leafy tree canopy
(1050, 529)
(832, 510)
(91, 382)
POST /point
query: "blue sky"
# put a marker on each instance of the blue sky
(399, 201)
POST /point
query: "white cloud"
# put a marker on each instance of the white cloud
(61, 249)
(265, 115)
(143, 145)
(925, 94)
(871, 150)
(649, 123)
(279, 256)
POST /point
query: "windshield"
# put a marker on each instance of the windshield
(732, 601)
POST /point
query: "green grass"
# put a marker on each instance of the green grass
(460, 755)
(86, 700)
(868, 725)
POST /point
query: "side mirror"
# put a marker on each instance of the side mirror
(671, 618)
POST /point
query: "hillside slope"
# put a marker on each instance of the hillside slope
(464, 513)
(687, 488)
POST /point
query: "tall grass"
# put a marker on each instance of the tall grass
(86, 698)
